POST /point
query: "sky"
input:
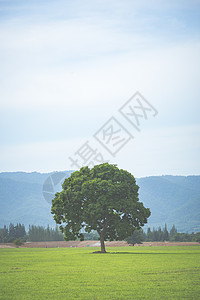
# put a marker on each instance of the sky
(83, 82)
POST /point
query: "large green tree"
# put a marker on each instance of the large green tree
(104, 199)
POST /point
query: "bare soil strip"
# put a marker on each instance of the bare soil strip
(75, 244)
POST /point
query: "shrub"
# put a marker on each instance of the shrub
(18, 242)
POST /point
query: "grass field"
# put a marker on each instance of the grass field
(77, 273)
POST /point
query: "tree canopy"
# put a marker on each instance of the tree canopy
(104, 199)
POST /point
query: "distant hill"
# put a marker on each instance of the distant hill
(172, 200)
(26, 197)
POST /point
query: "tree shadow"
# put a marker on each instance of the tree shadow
(150, 253)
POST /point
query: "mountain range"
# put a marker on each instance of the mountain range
(26, 198)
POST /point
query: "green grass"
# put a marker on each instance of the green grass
(124, 273)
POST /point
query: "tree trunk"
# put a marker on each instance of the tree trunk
(103, 249)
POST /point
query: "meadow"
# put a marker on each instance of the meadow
(123, 273)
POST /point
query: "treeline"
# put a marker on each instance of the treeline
(40, 234)
(154, 235)
(12, 232)
(35, 233)
(161, 235)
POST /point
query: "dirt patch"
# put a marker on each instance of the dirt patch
(7, 245)
(75, 244)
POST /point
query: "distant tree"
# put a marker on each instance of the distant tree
(93, 236)
(149, 235)
(172, 232)
(19, 231)
(136, 238)
(4, 235)
(57, 234)
(104, 199)
(12, 233)
(18, 242)
(182, 237)
(48, 233)
(159, 235)
(197, 237)
(165, 236)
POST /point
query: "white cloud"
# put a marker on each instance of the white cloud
(152, 152)
(68, 75)
(162, 151)
(39, 156)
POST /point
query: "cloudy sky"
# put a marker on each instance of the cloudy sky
(67, 67)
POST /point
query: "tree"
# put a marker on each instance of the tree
(165, 234)
(149, 235)
(92, 236)
(104, 199)
(4, 234)
(12, 232)
(172, 232)
(197, 237)
(136, 238)
(18, 242)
